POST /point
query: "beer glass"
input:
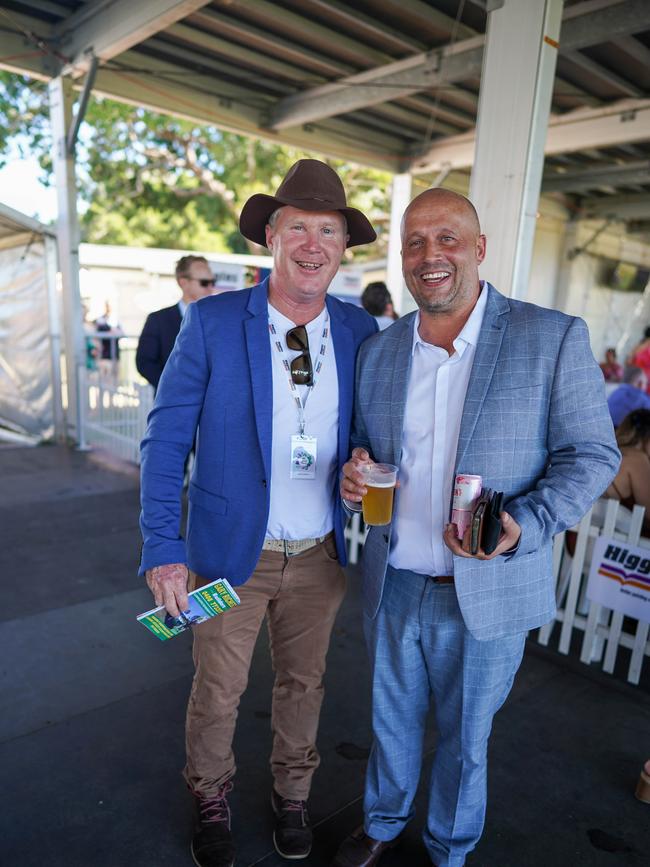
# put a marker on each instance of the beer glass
(377, 504)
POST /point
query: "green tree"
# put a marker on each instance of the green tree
(147, 179)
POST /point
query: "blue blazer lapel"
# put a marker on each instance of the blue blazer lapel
(485, 359)
(400, 347)
(344, 346)
(259, 361)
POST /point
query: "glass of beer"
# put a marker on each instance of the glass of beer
(377, 504)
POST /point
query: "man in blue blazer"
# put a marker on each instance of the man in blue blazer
(266, 376)
(196, 280)
(472, 383)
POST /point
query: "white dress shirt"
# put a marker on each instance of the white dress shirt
(303, 508)
(434, 408)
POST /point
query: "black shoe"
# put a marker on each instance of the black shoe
(293, 836)
(212, 844)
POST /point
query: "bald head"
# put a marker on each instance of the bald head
(438, 197)
(442, 247)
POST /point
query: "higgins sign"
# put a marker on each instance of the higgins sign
(619, 578)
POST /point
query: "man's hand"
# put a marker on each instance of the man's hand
(352, 486)
(169, 586)
(509, 537)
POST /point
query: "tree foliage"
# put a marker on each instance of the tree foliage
(147, 179)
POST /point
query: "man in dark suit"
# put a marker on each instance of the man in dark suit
(196, 280)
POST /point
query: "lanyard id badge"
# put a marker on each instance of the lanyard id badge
(304, 448)
(303, 457)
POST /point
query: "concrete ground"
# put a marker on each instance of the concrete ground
(92, 707)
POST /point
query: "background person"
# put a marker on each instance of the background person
(262, 373)
(640, 356)
(629, 395)
(632, 483)
(612, 368)
(477, 383)
(376, 299)
(196, 280)
(109, 345)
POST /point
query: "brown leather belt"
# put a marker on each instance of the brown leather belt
(442, 579)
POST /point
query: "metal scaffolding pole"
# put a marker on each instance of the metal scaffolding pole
(61, 101)
(400, 198)
(514, 105)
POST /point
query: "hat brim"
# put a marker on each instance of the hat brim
(257, 210)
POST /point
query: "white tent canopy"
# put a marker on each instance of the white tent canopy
(30, 400)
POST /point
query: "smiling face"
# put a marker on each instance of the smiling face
(307, 248)
(442, 247)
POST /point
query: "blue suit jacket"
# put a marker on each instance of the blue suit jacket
(219, 378)
(156, 342)
(535, 425)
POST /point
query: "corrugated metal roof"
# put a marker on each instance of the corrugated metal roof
(259, 67)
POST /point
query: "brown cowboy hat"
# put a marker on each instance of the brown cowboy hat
(309, 185)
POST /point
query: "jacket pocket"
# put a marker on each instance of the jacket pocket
(207, 500)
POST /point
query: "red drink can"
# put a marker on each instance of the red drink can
(467, 489)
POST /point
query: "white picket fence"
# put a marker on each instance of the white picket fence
(116, 417)
(603, 630)
(355, 537)
(116, 421)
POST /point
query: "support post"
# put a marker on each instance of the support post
(61, 100)
(55, 337)
(401, 196)
(514, 105)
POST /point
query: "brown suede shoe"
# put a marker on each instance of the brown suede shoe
(360, 850)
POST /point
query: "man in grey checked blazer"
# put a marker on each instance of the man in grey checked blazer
(476, 383)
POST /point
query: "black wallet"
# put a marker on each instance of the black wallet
(486, 521)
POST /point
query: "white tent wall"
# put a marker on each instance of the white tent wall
(30, 401)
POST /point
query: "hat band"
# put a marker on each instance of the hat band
(335, 205)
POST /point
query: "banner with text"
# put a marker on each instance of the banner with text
(619, 578)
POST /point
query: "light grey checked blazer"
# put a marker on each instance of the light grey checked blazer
(535, 425)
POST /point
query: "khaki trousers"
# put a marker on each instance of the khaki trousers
(300, 596)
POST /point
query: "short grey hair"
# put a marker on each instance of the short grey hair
(272, 220)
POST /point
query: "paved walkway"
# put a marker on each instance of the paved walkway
(92, 707)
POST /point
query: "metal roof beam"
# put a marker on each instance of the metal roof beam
(634, 48)
(598, 71)
(402, 78)
(622, 122)
(111, 28)
(633, 207)
(586, 179)
(146, 81)
(26, 48)
(587, 24)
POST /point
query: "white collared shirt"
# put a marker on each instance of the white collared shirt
(303, 508)
(434, 407)
(182, 307)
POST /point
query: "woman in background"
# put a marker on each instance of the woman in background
(632, 487)
(632, 483)
(640, 355)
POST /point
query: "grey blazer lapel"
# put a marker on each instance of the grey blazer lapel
(485, 359)
(399, 343)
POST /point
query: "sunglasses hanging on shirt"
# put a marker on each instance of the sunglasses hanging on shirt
(302, 372)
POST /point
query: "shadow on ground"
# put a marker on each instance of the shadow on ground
(92, 708)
